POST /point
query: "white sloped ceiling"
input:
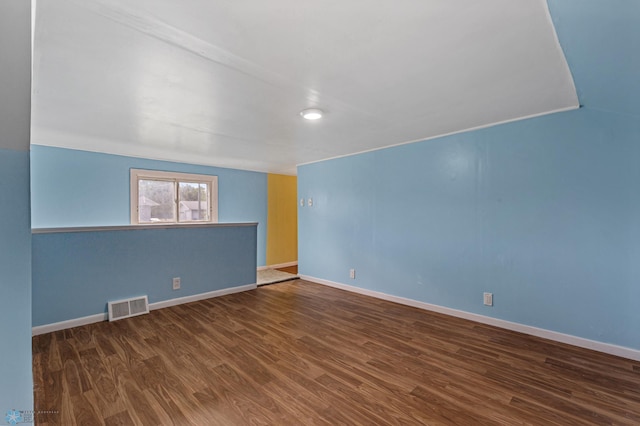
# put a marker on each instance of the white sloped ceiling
(222, 82)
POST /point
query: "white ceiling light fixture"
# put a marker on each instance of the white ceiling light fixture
(311, 114)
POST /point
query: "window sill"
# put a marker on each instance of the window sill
(138, 227)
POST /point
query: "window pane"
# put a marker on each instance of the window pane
(156, 201)
(193, 201)
(171, 197)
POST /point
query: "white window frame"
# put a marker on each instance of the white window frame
(139, 174)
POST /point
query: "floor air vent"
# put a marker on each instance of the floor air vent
(128, 308)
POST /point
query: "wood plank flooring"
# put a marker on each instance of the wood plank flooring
(289, 269)
(299, 353)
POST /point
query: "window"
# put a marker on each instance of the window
(167, 197)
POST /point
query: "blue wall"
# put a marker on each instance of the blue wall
(601, 41)
(16, 389)
(16, 383)
(78, 188)
(76, 273)
(544, 213)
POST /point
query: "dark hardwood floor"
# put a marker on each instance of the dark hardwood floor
(300, 353)
(290, 269)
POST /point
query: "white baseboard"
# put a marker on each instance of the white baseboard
(76, 322)
(201, 296)
(607, 348)
(63, 325)
(279, 265)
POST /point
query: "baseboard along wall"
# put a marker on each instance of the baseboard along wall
(607, 348)
(62, 325)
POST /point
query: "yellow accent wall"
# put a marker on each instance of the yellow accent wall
(282, 219)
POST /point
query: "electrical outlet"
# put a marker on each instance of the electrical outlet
(488, 299)
(310, 202)
(176, 283)
(301, 202)
(352, 274)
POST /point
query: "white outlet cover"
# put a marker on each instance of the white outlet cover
(488, 299)
(310, 202)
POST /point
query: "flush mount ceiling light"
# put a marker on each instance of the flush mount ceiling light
(311, 114)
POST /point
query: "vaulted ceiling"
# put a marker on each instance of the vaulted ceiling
(222, 82)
